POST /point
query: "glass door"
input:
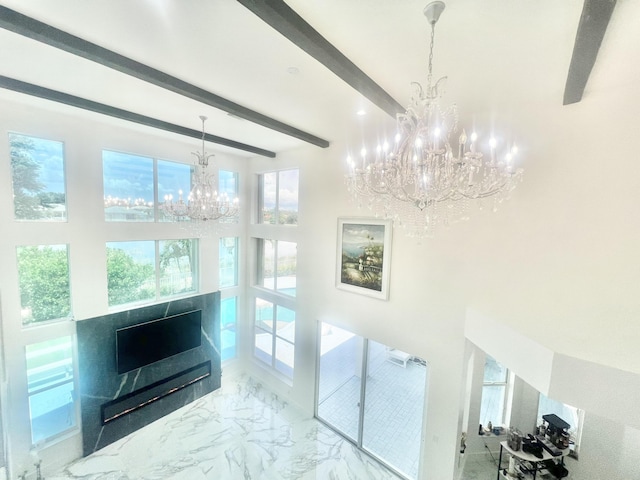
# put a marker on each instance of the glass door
(339, 380)
(394, 403)
(383, 414)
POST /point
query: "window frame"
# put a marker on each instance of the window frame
(49, 321)
(276, 210)
(507, 396)
(275, 336)
(65, 219)
(158, 215)
(75, 427)
(576, 432)
(158, 297)
(226, 326)
(274, 232)
(260, 278)
(236, 256)
(232, 194)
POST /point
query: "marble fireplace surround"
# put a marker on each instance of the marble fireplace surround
(101, 387)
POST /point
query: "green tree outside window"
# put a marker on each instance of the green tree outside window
(44, 283)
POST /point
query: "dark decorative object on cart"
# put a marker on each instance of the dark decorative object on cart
(532, 445)
(556, 430)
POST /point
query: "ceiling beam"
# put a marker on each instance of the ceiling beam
(42, 32)
(277, 14)
(591, 29)
(65, 98)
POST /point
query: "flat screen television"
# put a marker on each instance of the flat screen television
(149, 342)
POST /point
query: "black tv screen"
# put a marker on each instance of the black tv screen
(149, 342)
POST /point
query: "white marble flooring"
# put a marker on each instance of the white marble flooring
(240, 432)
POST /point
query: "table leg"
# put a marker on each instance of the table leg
(499, 463)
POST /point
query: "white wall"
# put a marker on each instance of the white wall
(558, 262)
(608, 450)
(609, 392)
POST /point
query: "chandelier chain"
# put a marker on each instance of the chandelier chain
(430, 76)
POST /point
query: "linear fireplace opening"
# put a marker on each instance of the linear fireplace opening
(145, 396)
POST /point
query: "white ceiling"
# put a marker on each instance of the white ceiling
(501, 57)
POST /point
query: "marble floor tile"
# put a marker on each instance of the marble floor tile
(239, 432)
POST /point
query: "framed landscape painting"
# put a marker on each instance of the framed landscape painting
(364, 256)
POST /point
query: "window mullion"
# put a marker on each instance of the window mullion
(157, 266)
(275, 265)
(269, 285)
(363, 389)
(277, 207)
(59, 383)
(274, 336)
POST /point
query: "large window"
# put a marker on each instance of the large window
(178, 266)
(275, 336)
(493, 407)
(275, 307)
(43, 272)
(173, 178)
(228, 279)
(228, 188)
(228, 261)
(228, 324)
(38, 177)
(279, 197)
(52, 398)
(131, 192)
(142, 271)
(278, 260)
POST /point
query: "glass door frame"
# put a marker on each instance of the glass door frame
(358, 443)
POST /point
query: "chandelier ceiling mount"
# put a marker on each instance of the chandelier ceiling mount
(433, 11)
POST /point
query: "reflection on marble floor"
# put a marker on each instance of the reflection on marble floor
(484, 466)
(393, 413)
(479, 467)
(241, 431)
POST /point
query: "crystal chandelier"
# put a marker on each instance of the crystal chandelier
(420, 180)
(203, 204)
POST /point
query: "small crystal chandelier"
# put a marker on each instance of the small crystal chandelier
(420, 180)
(203, 204)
